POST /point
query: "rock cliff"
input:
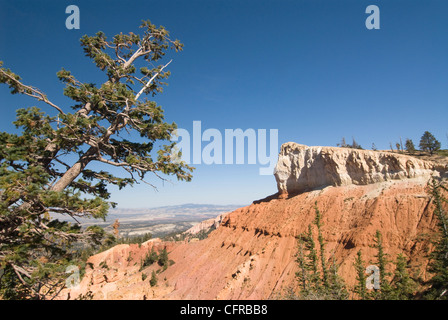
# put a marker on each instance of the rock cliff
(252, 255)
(301, 168)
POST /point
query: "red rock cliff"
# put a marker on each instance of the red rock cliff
(252, 254)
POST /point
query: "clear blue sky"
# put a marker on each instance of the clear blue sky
(308, 68)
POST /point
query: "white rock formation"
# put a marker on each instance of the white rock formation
(206, 225)
(301, 168)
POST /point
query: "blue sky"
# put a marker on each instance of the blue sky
(309, 68)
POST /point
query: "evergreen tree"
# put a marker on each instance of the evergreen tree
(355, 145)
(44, 169)
(317, 281)
(402, 285)
(429, 143)
(313, 261)
(360, 288)
(308, 274)
(337, 289)
(382, 261)
(163, 258)
(409, 144)
(149, 258)
(318, 224)
(438, 265)
(153, 281)
(303, 273)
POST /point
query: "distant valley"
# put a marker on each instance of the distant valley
(158, 221)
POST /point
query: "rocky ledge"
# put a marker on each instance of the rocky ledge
(302, 168)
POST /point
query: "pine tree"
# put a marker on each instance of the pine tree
(44, 169)
(308, 275)
(317, 281)
(303, 273)
(355, 144)
(438, 265)
(429, 143)
(360, 288)
(410, 146)
(163, 258)
(149, 259)
(382, 261)
(403, 286)
(313, 261)
(337, 288)
(153, 281)
(318, 224)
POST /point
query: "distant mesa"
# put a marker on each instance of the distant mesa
(302, 168)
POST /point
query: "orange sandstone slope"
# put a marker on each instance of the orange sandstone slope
(252, 253)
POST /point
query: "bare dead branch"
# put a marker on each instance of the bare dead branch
(151, 80)
(31, 91)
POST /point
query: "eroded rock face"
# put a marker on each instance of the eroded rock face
(301, 168)
(252, 255)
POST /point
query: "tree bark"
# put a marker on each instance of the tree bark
(53, 148)
(71, 174)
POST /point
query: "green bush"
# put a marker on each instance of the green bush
(149, 259)
(153, 280)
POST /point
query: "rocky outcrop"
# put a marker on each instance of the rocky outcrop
(206, 225)
(301, 168)
(252, 255)
(116, 274)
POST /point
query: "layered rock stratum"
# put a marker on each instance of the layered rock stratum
(301, 168)
(252, 253)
